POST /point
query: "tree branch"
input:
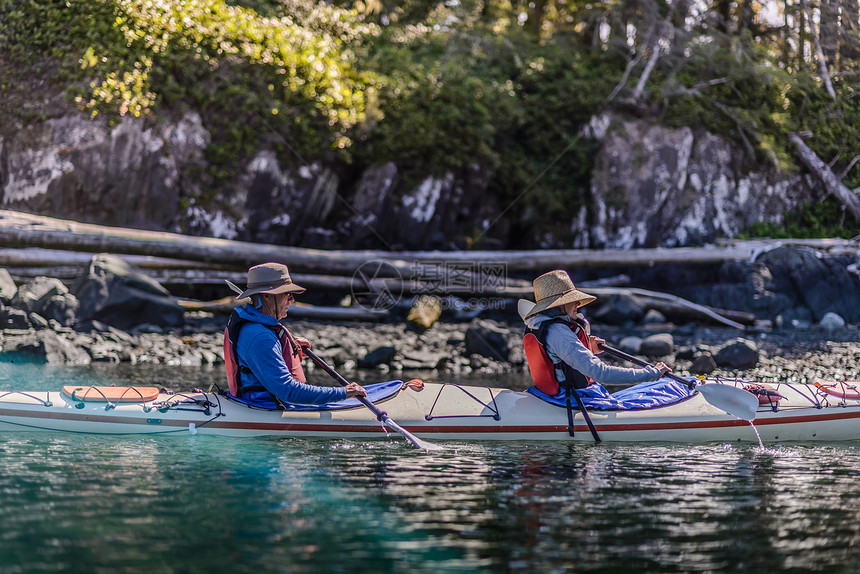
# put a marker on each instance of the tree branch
(655, 53)
(822, 63)
(695, 90)
(740, 125)
(850, 165)
(831, 183)
(626, 76)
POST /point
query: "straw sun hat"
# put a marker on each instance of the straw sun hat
(270, 278)
(555, 289)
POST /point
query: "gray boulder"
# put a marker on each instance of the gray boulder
(426, 360)
(49, 347)
(832, 321)
(487, 340)
(35, 293)
(740, 354)
(61, 308)
(119, 294)
(653, 317)
(630, 344)
(822, 284)
(659, 345)
(8, 289)
(49, 298)
(703, 364)
(11, 318)
(619, 310)
(377, 357)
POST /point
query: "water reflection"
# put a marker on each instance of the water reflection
(199, 504)
(520, 507)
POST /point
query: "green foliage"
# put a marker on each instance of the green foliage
(750, 103)
(548, 163)
(441, 103)
(834, 128)
(450, 101)
(493, 86)
(827, 218)
(252, 77)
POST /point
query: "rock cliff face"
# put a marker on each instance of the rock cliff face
(126, 175)
(652, 186)
(655, 186)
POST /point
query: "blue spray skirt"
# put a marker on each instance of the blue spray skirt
(659, 393)
(375, 392)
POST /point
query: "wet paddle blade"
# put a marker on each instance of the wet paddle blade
(523, 307)
(736, 402)
(411, 437)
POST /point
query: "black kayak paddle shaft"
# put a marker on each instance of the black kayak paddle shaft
(381, 416)
(585, 414)
(641, 363)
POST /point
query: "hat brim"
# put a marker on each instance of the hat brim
(285, 288)
(572, 296)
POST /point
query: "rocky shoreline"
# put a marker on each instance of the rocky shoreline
(480, 349)
(116, 315)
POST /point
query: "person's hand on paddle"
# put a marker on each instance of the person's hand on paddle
(303, 343)
(663, 368)
(355, 390)
(594, 344)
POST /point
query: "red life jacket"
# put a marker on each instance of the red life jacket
(542, 368)
(290, 350)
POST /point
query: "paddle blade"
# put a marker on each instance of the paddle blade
(411, 437)
(523, 307)
(736, 402)
(233, 286)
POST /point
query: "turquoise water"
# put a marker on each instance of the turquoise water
(82, 503)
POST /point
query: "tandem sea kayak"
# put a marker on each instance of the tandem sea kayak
(444, 411)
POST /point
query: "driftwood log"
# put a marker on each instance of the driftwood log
(19, 230)
(671, 305)
(297, 310)
(35, 245)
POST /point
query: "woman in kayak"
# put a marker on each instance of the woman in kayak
(263, 358)
(562, 347)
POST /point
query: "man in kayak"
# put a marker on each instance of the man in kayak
(263, 358)
(562, 349)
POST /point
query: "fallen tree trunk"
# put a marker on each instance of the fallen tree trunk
(22, 230)
(37, 257)
(68, 266)
(677, 312)
(672, 304)
(339, 283)
(297, 311)
(831, 183)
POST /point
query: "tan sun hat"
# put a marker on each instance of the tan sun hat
(555, 289)
(270, 278)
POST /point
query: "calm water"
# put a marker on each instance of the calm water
(81, 503)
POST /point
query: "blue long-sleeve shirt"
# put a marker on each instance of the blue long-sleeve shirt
(259, 350)
(562, 345)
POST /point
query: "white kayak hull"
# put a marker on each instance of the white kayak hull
(439, 412)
